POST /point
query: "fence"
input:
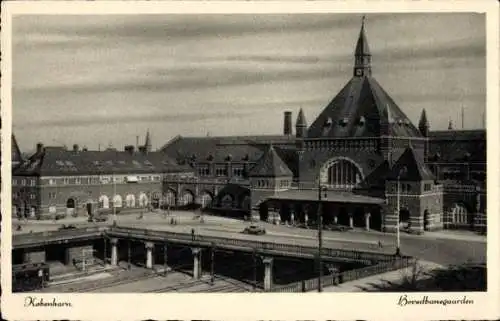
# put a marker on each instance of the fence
(346, 276)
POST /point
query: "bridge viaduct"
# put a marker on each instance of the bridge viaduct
(74, 242)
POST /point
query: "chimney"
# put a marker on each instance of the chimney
(130, 149)
(287, 126)
(76, 148)
(39, 148)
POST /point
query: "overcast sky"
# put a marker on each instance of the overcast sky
(105, 79)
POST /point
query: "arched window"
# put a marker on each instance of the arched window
(205, 199)
(130, 200)
(341, 173)
(459, 214)
(187, 198)
(227, 201)
(117, 201)
(103, 201)
(170, 198)
(143, 200)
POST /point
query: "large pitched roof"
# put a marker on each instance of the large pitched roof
(59, 161)
(270, 165)
(457, 145)
(362, 109)
(16, 157)
(411, 167)
(222, 149)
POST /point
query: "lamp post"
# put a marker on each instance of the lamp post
(165, 258)
(402, 171)
(129, 264)
(105, 250)
(254, 257)
(321, 189)
(114, 198)
(212, 264)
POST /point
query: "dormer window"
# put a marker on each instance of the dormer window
(328, 122)
(210, 157)
(229, 158)
(400, 122)
(343, 122)
(246, 157)
(361, 121)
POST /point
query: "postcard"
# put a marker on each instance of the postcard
(249, 160)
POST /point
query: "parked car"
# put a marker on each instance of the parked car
(338, 228)
(101, 218)
(254, 230)
(67, 227)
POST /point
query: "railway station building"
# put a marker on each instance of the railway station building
(362, 158)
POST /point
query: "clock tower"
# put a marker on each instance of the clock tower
(362, 55)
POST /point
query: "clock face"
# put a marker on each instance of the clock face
(359, 72)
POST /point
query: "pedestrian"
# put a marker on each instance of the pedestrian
(192, 234)
(380, 245)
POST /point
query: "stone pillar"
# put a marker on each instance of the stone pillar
(149, 254)
(367, 221)
(196, 262)
(351, 220)
(335, 219)
(292, 215)
(268, 273)
(114, 251)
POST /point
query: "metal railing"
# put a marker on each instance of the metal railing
(247, 244)
(346, 276)
(40, 238)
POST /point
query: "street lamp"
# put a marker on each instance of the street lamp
(212, 264)
(402, 171)
(321, 189)
(114, 199)
(165, 258)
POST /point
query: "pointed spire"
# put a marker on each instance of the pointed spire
(147, 143)
(423, 124)
(301, 119)
(301, 125)
(362, 55)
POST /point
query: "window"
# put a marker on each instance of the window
(23, 182)
(238, 172)
(14, 182)
(427, 187)
(78, 181)
(203, 170)
(221, 171)
(32, 196)
(66, 181)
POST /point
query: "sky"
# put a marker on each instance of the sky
(103, 80)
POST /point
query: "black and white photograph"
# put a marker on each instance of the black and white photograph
(282, 153)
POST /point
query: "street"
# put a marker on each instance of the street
(452, 249)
